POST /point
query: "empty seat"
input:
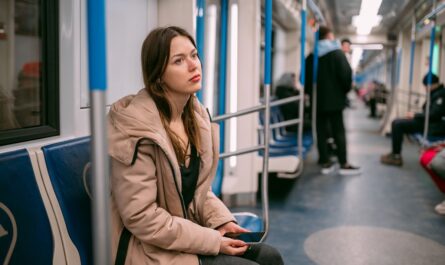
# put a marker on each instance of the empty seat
(28, 230)
(67, 165)
(249, 221)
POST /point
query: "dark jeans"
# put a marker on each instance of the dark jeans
(400, 127)
(330, 124)
(257, 254)
(373, 107)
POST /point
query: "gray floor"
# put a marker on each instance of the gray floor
(385, 216)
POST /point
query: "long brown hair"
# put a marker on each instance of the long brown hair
(154, 58)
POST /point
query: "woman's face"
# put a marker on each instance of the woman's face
(183, 72)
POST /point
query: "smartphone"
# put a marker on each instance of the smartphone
(248, 237)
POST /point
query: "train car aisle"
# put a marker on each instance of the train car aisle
(384, 216)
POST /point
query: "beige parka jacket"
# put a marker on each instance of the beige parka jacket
(146, 187)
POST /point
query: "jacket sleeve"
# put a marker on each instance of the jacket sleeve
(214, 212)
(134, 189)
(437, 111)
(344, 71)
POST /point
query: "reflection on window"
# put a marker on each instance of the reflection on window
(28, 72)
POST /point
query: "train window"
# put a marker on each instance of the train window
(29, 89)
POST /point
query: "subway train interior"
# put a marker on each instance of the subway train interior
(358, 184)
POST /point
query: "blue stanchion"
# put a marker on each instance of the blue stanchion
(268, 49)
(200, 29)
(97, 53)
(411, 62)
(315, 64)
(217, 183)
(302, 49)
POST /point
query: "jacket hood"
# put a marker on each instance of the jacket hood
(327, 46)
(135, 119)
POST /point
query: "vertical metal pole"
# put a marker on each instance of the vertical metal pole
(411, 62)
(100, 164)
(217, 183)
(303, 44)
(267, 77)
(428, 90)
(200, 30)
(302, 81)
(314, 84)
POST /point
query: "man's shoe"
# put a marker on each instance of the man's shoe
(440, 208)
(349, 170)
(392, 159)
(327, 168)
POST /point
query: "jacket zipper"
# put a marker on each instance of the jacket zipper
(184, 211)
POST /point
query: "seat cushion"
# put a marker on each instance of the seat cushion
(25, 230)
(68, 163)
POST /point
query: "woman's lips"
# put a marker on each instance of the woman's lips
(196, 78)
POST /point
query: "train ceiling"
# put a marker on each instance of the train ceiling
(339, 13)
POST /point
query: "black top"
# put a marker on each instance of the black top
(334, 80)
(189, 177)
(437, 112)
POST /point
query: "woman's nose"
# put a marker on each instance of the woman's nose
(192, 63)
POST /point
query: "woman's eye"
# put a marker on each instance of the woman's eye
(178, 61)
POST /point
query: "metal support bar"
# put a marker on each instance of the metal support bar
(267, 79)
(428, 92)
(285, 100)
(314, 84)
(411, 60)
(238, 113)
(241, 151)
(97, 68)
(255, 108)
(200, 31)
(282, 124)
(285, 123)
(432, 14)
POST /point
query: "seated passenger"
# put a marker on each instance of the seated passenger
(414, 122)
(285, 88)
(164, 155)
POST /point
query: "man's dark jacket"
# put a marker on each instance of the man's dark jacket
(334, 80)
(437, 112)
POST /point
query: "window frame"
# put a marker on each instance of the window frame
(49, 92)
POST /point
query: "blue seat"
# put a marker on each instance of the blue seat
(67, 162)
(283, 143)
(26, 234)
(430, 139)
(249, 221)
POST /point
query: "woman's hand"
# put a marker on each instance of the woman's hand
(232, 247)
(231, 227)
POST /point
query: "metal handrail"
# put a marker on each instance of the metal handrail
(239, 113)
(430, 15)
(407, 92)
(282, 124)
(241, 151)
(285, 100)
(267, 127)
(255, 108)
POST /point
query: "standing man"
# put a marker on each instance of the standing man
(334, 80)
(346, 48)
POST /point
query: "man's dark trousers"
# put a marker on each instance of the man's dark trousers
(400, 127)
(331, 121)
